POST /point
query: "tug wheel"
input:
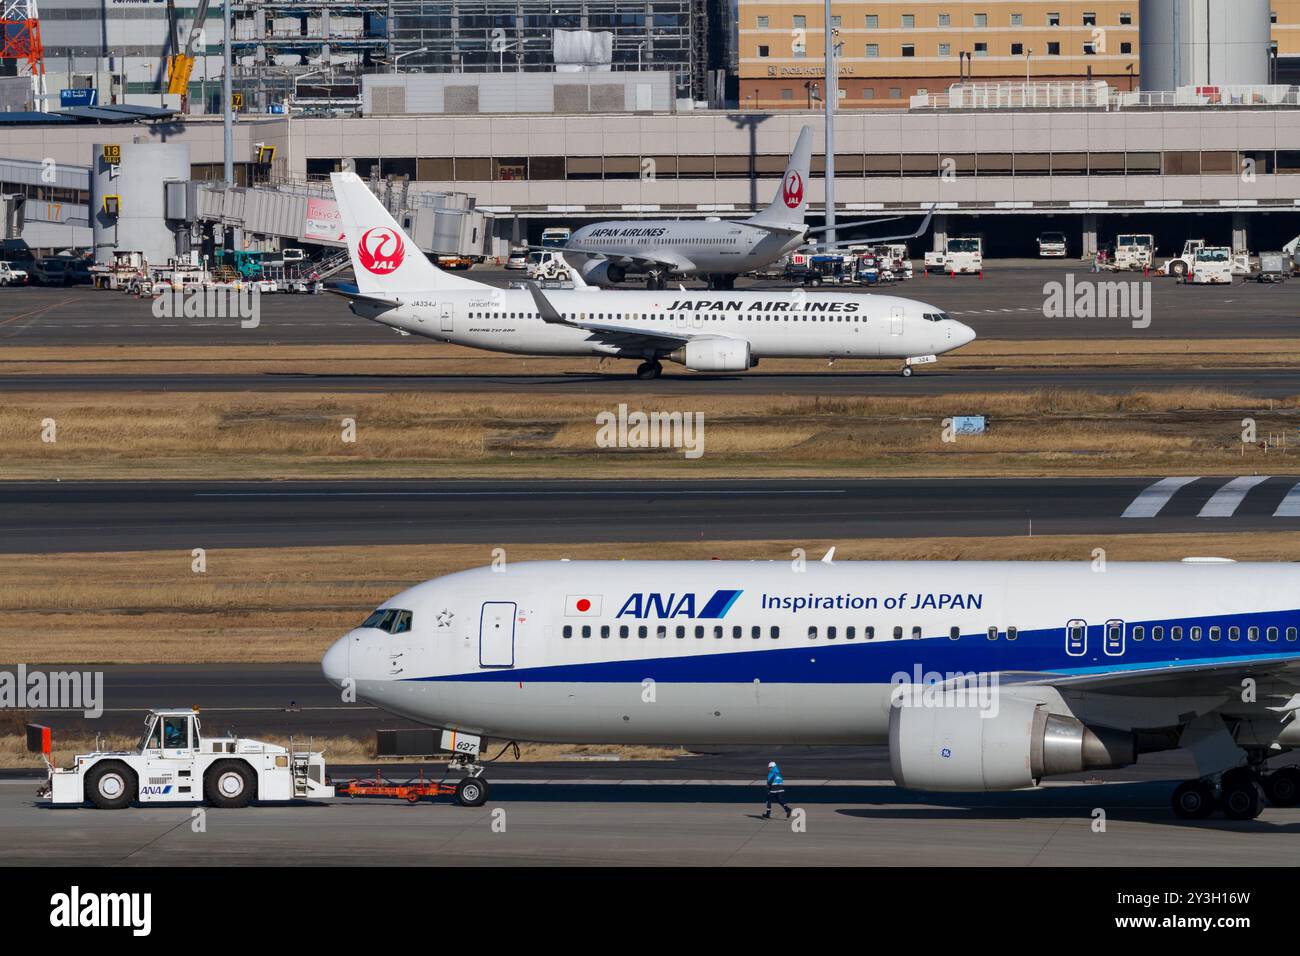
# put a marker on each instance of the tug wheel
(230, 784)
(111, 785)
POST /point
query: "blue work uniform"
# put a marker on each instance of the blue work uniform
(775, 791)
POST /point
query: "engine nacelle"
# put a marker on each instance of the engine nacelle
(968, 748)
(602, 272)
(714, 355)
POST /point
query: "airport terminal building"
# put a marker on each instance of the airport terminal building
(1188, 170)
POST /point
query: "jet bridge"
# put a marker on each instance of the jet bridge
(445, 224)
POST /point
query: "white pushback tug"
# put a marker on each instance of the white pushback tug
(174, 763)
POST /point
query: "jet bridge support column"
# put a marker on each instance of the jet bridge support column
(1239, 237)
(940, 232)
(1088, 241)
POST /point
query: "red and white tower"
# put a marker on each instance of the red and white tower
(22, 42)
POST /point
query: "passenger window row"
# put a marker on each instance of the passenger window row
(680, 631)
(1138, 632)
(397, 622)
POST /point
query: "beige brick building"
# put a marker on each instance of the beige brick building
(893, 50)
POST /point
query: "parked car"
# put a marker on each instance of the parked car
(518, 259)
(10, 274)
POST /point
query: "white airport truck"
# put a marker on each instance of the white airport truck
(1134, 251)
(175, 763)
(548, 265)
(1212, 265)
(961, 255)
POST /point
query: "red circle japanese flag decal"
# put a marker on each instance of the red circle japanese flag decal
(582, 605)
(381, 250)
(792, 192)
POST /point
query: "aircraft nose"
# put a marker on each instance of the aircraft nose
(965, 334)
(335, 664)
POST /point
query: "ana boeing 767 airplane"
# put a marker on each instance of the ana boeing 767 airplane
(978, 675)
(704, 331)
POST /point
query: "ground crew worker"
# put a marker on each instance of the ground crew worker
(775, 790)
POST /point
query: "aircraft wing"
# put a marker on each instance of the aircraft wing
(874, 240)
(654, 257)
(1175, 680)
(618, 335)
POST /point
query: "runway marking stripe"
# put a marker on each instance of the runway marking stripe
(513, 494)
(1229, 498)
(1290, 506)
(1152, 499)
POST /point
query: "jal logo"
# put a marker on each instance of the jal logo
(381, 250)
(792, 192)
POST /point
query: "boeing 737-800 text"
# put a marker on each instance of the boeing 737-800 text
(979, 676)
(708, 332)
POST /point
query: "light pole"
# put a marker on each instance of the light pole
(639, 47)
(501, 55)
(1028, 52)
(393, 61)
(830, 93)
(228, 110)
(302, 76)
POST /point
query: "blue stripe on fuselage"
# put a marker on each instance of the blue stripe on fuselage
(877, 661)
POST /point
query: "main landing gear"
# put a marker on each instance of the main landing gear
(1241, 793)
(649, 369)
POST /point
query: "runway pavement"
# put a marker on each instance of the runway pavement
(620, 382)
(1006, 304)
(45, 517)
(699, 823)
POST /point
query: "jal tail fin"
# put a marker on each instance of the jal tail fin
(384, 258)
(790, 205)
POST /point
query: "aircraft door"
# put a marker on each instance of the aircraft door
(1076, 638)
(896, 320)
(496, 634)
(445, 316)
(1114, 638)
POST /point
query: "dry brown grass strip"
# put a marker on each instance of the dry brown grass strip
(235, 435)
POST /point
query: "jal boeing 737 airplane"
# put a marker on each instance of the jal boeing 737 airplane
(979, 676)
(708, 332)
(606, 253)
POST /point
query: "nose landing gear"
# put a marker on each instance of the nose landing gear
(472, 790)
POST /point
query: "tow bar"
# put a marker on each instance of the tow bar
(468, 791)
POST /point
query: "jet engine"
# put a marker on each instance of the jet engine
(1012, 746)
(603, 272)
(714, 355)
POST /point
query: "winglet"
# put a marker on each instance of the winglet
(829, 556)
(547, 311)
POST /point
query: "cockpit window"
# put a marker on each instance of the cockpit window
(936, 317)
(391, 619)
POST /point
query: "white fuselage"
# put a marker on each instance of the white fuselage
(696, 246)
(707, 652)
(777, 324)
